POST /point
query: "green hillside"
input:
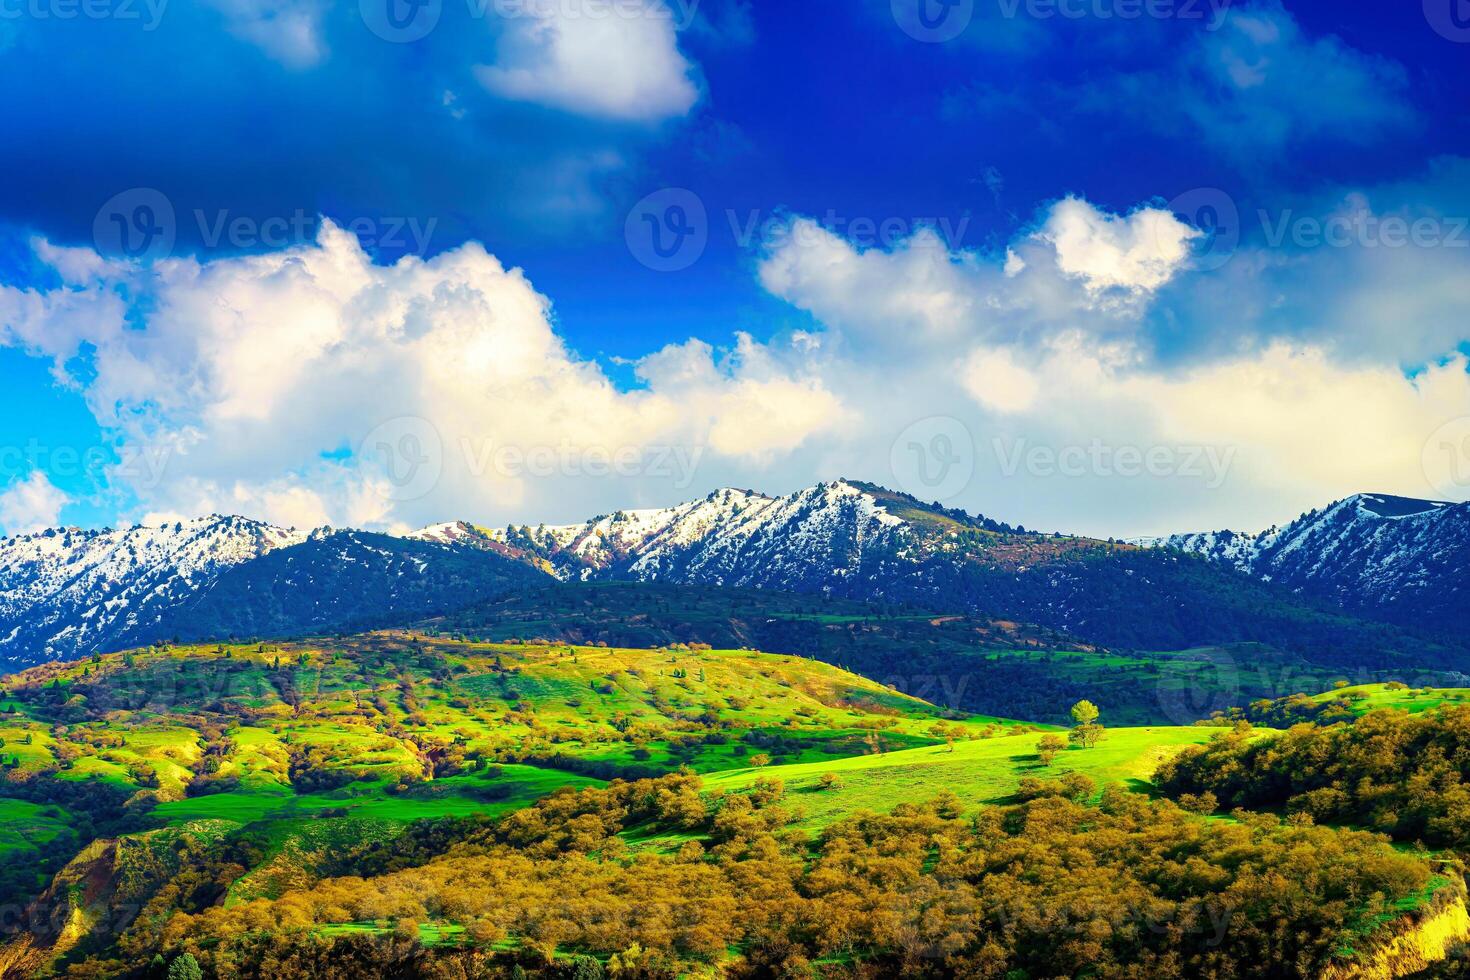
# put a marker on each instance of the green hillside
(1344, 702)
(978, 664)
(385, 729)
(404, 803)
(977, 773)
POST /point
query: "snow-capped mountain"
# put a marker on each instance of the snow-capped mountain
(338, 581)
(732, 537)
(1403, 560)
(65, 591)
(69, 593)
(858, 541)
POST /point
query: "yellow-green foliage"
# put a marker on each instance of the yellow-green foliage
(1409, 944)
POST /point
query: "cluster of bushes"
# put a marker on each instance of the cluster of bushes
(1130, 887)
(1406, 775)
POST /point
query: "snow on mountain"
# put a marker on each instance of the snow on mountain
(345, 581)
(1237, 548)
(731, 537)
(65, 591)
(1395, 558)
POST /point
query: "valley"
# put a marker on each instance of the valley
(157, 796)
(898, 739)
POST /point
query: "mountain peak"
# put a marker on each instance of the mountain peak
(1391, 557)
(62, 591)
(1392, 506)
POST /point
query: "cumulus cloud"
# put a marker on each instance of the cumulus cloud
(31, 504)
(311, 385)
(1135, 253)
(269, 382)
(1277, 410)
(612, 61)
(1080, 268)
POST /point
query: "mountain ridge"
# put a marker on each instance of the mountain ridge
(1399, 559)
(223, 577)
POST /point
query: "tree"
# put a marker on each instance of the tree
(1048, 747)
(1086, 735)
(760, 759)
(586, 968)
(1204, 803)
(185, 967)
(1085, 712)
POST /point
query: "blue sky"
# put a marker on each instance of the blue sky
(994, 231)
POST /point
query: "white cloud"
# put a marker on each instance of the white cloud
(258, 377)
(1136, 253)
(265, 375)
(289, 31)
(611, 61)
(760, 414)
(1027, 358)
(1304, 422)
(1297, 428)
(917, 291)
(996, 381)
(1082, 268)
(31, 504)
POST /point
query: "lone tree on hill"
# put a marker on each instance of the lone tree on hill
(1085, 712)
(1088, 732)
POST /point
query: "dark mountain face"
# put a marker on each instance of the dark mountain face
(1396, 559)
(858, 542)
(69, 594)
(1292, 588)
(345, 581)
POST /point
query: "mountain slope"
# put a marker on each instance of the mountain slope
(1393, 558)
(68, 592)
(740, 538)
(340, 581)
(960, 661)
(395, 805)
(856, 541)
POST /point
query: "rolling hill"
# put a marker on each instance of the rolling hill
(989, 666)
(404, 804)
